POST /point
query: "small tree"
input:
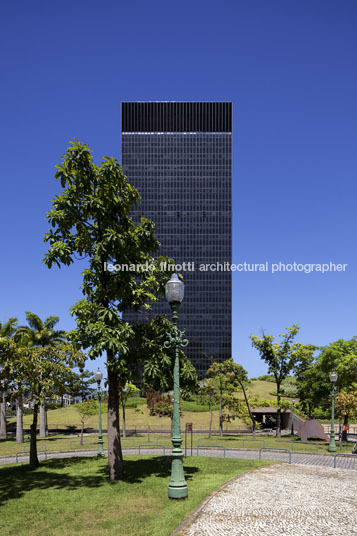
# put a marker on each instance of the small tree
(281, 359)
(346, 407)
(239, 377)
(221, 381)
(81, 385)
(86, 409)
(125, 393)
(40, 333)
(207, 395)
(39, 371)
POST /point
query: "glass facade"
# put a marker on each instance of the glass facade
(184, 176)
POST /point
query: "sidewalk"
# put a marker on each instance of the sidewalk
(280, 500)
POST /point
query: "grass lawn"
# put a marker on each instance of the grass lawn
(69, 416)
(74, 497)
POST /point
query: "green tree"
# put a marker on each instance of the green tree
(86, 409)
(281, 359)
(40, 371)
(340, 356)
(221, 380)
(80, 386)
(239, 378)
(207, 394)
(7, 329)
(313, 383)
(91, 220)
(313, 386)
(40, 333)
(125, 392)
(346, 407)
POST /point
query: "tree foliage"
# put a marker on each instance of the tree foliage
(90, 220)
(86, 409)
(40, 332)
(225, 378)
(36, 373)
(313, 382)
(281, 357)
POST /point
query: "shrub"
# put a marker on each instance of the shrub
(159, 404)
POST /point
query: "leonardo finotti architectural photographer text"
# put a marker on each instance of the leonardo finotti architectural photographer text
(226, 267)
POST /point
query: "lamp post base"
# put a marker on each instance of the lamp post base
(177, 486)
(100, 448)
(178, 493)
(332, 448)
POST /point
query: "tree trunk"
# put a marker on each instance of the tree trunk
(42, 421)
(124, 429)
(19, 421)
(248, 408)
(344, 432)
(33, 444)
(278, 414)
(115, 455)
(3, 431)
(82, 430)
(210, 422)
(220, 417)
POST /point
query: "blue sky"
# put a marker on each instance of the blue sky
(289, 67)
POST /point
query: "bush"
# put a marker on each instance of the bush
(158, 404)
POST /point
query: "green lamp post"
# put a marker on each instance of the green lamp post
(332, 445)
(99, 377)
(292, 417)
(174, 291)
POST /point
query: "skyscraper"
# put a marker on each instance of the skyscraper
(179, 156)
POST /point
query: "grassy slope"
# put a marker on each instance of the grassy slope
(69, 416)
(74, 497)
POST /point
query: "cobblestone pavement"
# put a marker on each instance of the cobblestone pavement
(300, 458)
(281, 500)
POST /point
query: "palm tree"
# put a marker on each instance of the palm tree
(6, 330)
(41, 333)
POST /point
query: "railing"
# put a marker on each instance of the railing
(343, 455)
(215, 445)
(271, 448)
(151, 446)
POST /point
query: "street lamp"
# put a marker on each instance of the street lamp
(99, 377)
(332, 445)
(174, 291)
(292, 417)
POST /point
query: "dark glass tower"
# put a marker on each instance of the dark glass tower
(179, 156)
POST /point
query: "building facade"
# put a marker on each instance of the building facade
(179, 156)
